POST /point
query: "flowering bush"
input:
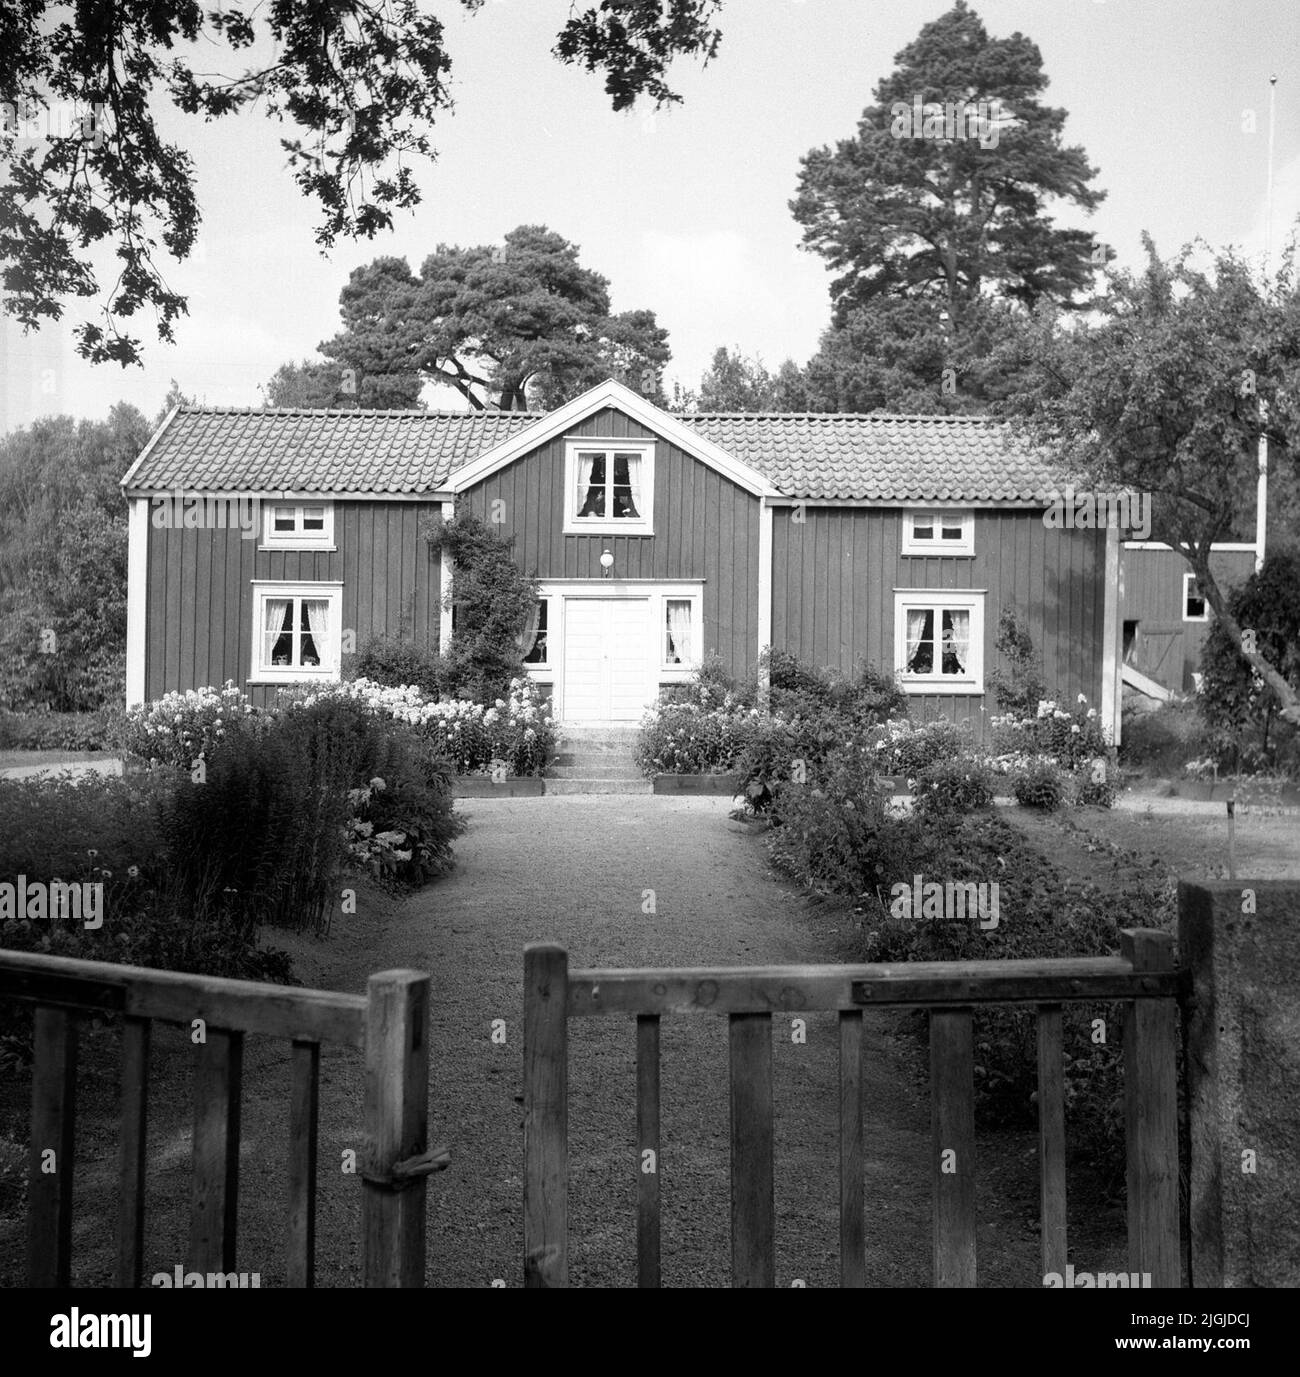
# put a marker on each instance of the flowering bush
(1071, 738)
(516, 732)
(1040, 784)
(951, 785)
(181, 728)
(704, 734)
(903, 747)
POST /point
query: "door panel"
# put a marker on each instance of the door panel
(606, 659)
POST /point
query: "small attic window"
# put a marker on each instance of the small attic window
(298, 526)
(938, 532)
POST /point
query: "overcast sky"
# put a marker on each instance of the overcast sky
(686, 211)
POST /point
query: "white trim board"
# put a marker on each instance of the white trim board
(610, 393)
(1241, 547)
(137, 598)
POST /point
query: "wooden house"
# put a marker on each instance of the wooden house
(266, 546)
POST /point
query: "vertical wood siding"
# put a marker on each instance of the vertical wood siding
(200, 611)
(835, 574)
(1152, 594)
(704, 527)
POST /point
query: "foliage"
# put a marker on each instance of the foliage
(182, 728)
(951, 218)
(361, 83)
(1240, 710)
(1166, 396)
(63, 553)
(904, 748)
(1020, 686)
(1040, 783)
(1074, 738)
(396, 662)
(316, 383)
(953, 785)
(101, 730)
(493, 600)
(734, 382)
(516, 325)
(703, 735)
(1164, 739)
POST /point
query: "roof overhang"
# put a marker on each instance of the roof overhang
(147, 450)
(611, 393)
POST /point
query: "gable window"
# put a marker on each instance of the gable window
(298, 526)
(678, 638)
(297, 631)
(533, 642)
(1195, 608)
(939, 641)
(609, 488)
(939, 532)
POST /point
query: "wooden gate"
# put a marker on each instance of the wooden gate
(390, 1023)
(1143, 977)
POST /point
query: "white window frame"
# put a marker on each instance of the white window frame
(297, 539)
(609, 525)
(545, 674)
(688, 667)
(1188, 579)
(940, 600)
(937, 545)
(331, 592)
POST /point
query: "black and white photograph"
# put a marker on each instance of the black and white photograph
(649, 643)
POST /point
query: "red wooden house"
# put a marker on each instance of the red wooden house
(268, 545)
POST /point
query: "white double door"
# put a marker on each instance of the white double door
(607, 659)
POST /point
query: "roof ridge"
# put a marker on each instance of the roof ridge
(347, 411)
(831, 416)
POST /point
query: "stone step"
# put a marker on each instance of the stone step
(597, 736)
(593, 769)
(585, 750)
(599, 786)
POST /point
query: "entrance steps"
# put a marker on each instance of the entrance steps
(595, 760)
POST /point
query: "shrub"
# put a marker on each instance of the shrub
(101, 730)
(493, 603)
(394, 662)
(1164, 739)
(953, 785)
(1039, 784)
(689, 738)
(1020, 687)
(1097, 783)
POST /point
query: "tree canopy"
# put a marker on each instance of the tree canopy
(360, 82)
(516, 325)
(735, 382)
(1167, 394)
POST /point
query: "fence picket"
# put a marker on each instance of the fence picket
(304, 1120)
(952, 1099)
(54, 1090)
(214, 1202)
(853, 1244)
(647, 1141)
(753, 1207)
(134, 1118)
(546, 1106)
(1051, 1138)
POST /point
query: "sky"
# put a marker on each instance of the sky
(686, 210)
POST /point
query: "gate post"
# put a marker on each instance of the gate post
(546, 1116)
(396, 1128)
(1151, 1115)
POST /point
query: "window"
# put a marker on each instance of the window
(1195, 608)
(533, 642)
(678, 638)
(610, 488)
(298, 526)
(938, 532)
(939, 641)
(297, 631)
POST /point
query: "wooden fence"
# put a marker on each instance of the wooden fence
(390, 1023)
(1143, 977)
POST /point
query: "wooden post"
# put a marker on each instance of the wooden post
(753, 1201)
(546, 1116)
(132, 1155)
(1051, 1139)
(647, 1142)
(396, 1128)
(952, 1115)
(1151, 1116)
(304, 1121)
(54, 1112)
(852, 1225)
(214, 1201)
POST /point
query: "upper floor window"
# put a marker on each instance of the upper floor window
(609, 487)
(1195, 608)
(941, 532)
(299, 525)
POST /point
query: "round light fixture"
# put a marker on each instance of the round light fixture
(606, 562)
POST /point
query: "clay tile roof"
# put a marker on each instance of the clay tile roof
(875, 457)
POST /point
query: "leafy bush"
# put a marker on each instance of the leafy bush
(395, 662)
(493, 602)
(1238, 707)
(905, 748)
(1020, 687)
(1097, 783)
(953, 785)
(1039, 784)
(101, 730)
(1164, 739)
(689, 738)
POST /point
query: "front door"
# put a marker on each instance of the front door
(606, 659)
